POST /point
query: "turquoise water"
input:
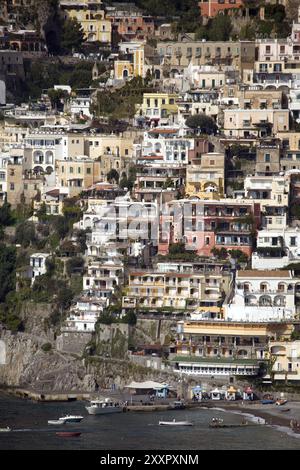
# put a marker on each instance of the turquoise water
(130, 431)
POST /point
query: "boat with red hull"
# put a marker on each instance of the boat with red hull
(68, 434)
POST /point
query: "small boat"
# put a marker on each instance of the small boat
(56, 422)
(285, 410)
(103, 407)
(281, 402)
(5, 429)
(68, 434)
(71, 419)
(175, 423)
(178, 405)
(267, 402)
(223, 425)
(218, 423)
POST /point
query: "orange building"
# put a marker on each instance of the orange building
(211, 8)
(132, 24)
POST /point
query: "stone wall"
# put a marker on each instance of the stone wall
(112, 340)
(73, 342)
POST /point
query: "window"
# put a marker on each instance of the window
(293, 241)
(88, 171)
(267, 157)
(12, 186)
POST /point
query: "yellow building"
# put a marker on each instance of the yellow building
(119, 146)
(91, 15)
(225, 349)
(77, 174)
(131, 62)
(177, 286)
(285, 356)
(206, 180)
(157, 106)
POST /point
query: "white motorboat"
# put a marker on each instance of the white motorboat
(103, 407)
(5, 429)
(71, 419)
(175, 423)
(56, 422)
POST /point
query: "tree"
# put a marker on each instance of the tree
(220, 28)
(130, 318)
(7, 270)
(113, 176)
(25, 234)
(56, 97)
(72, 36)
(74, 264)
(6, 217)
(202, 123)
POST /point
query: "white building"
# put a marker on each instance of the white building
(262, 296)
(103, 275)
(166, 145)
(85, 312)
(38, 265)
(277, 248)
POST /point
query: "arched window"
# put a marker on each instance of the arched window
(279, 301)
(264, 286)
(246, 286)
(265, 301)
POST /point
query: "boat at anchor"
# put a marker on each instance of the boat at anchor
(175, 423)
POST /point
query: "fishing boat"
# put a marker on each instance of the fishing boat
(281, 402)
(103, 407)
(178, 405)
(175, 423)
(71, 419)
(5, 429)
(68, 434)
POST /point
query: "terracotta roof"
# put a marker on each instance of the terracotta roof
(163, 131)
(267, 274)
(53, 192)
(152, 157)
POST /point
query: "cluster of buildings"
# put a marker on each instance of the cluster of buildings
(208, 235)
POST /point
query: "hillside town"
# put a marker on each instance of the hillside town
(150, 186)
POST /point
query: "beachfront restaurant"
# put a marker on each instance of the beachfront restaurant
(149, 388)
(208, 366)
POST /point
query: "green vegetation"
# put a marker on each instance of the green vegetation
(74, 265)
(46, 347)
(113, 176)
(128, 182)
(217, 29)
(56, 97)
(201, 122)
(72, 36)
(122, 103)
(43, 75)
(7, 270)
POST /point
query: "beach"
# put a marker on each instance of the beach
(272, 413)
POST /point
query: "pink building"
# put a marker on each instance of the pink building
(211, 8)
(205, 225)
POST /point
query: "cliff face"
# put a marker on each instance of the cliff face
(28, 366)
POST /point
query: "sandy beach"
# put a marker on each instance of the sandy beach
(272, 414)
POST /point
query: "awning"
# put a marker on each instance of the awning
(147, 385)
